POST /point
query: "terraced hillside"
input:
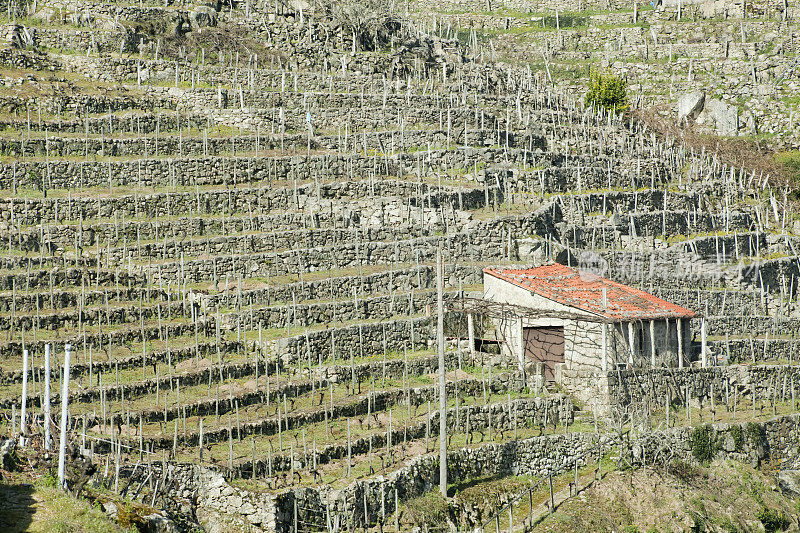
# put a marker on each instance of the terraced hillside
(726, 68)
(231, 216)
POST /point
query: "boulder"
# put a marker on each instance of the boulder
(789, 481)
(202, 17)
(690, 105)
(724, 117)
(180, 23)
(714, 8)
(157, 523)
(110, 508)
(8, 456)
(300, 5)
(527, 248)
(49, 14)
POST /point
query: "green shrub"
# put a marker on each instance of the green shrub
(607, 90)
(773, 520)
(565, 20)
(790, 161)
(703, 445)
(738, 437)
(48, 480)
(753, 433)
(727, 525)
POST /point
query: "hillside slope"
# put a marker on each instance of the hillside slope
(726, 496)
(41, 507)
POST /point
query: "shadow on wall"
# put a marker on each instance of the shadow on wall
(18, 506)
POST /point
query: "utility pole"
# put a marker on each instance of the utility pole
(46, 405)
(442, 391)
(62, 446)
(22, 425)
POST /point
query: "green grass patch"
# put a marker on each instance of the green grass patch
(790, 161)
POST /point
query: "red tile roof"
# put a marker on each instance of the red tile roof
(583, 290)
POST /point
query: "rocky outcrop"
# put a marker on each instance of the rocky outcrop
(716, 115)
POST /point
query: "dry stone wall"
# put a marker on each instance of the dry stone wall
(621, 390)
(369, 501)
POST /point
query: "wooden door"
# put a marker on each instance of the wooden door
(544, 345)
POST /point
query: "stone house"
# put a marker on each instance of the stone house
(568, 319)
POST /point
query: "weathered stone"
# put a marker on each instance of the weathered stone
(724, 117)
(751, 122)
(8, 457)
(789, 481)
(202, 16)
(235, 501)
(158, 523)
(110, 508)
(690, 105)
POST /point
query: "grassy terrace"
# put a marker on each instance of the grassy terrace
(362, 427)
(296, 408)
(102, 192)
(228, 288)
(222, 388)
(186, 341)
(151, 306)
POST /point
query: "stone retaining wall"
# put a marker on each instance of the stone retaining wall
(614, 392)
(218, 503)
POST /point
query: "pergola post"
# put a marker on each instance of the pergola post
(471, 333)
(442, 370)
(604, 353)
(632, 344)
(652, 344)
(23, 415)
(46, 406)
(703, 345)
(521, 358)
(680, 344)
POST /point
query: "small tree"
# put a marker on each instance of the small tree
(370, 23)
(607, 90)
